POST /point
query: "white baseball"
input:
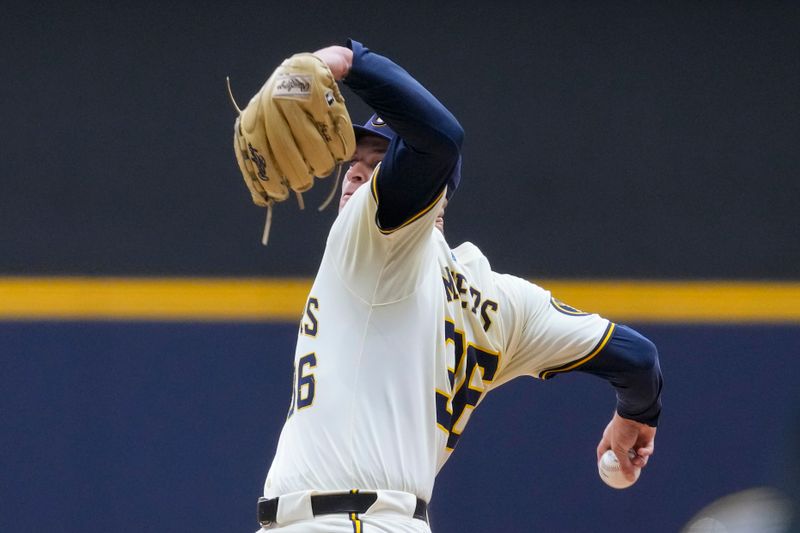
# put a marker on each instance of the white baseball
(611, 473)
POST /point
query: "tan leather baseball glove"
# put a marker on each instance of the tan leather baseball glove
(294, 129)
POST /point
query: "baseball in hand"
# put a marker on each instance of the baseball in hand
(611, 473)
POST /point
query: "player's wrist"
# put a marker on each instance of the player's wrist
(648, 417)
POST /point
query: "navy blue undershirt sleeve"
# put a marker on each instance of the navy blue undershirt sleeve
(424, 154)
(629, 361)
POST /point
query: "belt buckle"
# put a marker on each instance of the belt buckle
(264, 523)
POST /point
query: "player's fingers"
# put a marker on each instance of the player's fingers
(645, 441)
(624, 456)
(646, 448)
(308, 139)
(602, 446)
(643, 454)
(605, 441)
(645, 451)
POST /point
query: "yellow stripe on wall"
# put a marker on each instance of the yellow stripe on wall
(232, 299)
(152, 298)
(683, 301)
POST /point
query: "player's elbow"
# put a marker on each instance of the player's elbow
(447, 142)
(456, 135)
(639, 384)
(447, 138)
(628, 356)
(440, 139)
(643, 357)
(444, 153)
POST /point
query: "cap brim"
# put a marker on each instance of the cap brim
(361, 131)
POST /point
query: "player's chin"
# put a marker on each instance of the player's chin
(439, 224)
(343, 200)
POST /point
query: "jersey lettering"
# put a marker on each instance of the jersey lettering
(457, 288)
(294, 396)
(461, 286)
(486, 320)
(449, 285)
(304, 384)
(475, 368)
(309, 324)
(476, 299)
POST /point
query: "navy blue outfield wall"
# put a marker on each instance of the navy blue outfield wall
(603, 139)
(170, 427)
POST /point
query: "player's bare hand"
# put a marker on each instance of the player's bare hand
(338, 58)
(622, 435)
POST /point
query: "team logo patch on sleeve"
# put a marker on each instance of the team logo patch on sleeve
(561, 307)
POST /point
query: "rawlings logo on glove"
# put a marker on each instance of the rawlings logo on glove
(293, 86)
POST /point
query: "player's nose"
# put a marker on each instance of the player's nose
(356, 173)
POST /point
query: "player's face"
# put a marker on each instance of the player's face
(440, 217)
(369, 152)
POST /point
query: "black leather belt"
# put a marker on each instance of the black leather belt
(321, 504)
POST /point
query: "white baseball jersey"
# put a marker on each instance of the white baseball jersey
(400, 340)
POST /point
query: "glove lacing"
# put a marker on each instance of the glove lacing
(335, 187)
(267, 224)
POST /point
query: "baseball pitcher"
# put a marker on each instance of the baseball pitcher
(402, 337)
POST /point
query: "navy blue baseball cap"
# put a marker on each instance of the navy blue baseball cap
(376, 127)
